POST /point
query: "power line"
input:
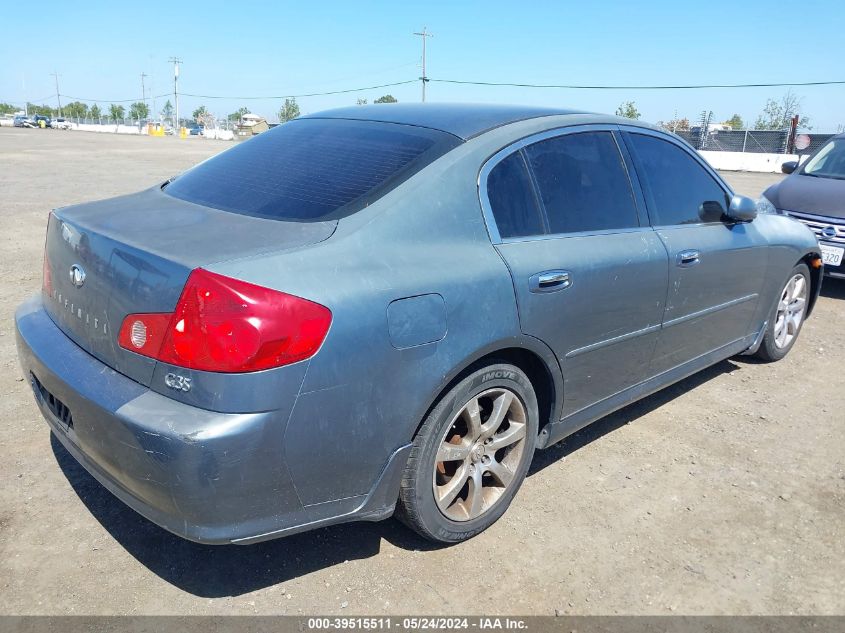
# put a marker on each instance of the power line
(472, 83)
(366, 73)
(41, 99)
(166, 94)
(310, 94)
(237, 98)
(684, 87)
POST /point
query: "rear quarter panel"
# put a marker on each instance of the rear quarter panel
(362, 397)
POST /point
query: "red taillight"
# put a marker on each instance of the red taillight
(226, 325)
(144, 333)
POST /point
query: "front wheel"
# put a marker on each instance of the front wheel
(787, 317)
(470, 456)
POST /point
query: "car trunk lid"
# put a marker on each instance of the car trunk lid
(133, 254)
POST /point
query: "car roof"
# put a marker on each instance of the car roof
(464, 120)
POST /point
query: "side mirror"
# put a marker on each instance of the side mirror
(789, 166)
(742, 209)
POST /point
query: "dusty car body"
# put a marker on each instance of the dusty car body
(450, 314)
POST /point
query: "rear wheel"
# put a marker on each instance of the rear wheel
(787, 317)
(470, 455)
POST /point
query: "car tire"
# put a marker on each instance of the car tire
(787, 316)
(490, 417)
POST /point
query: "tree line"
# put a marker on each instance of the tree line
(79, 110)
(777, 114)
(289, 110)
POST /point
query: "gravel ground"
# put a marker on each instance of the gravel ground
(720, 495)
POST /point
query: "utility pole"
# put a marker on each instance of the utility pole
(424, 79)
(143, 91)
(58, 100)
(176, 61)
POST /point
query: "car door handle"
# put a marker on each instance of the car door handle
(549, 281)
(688, 258)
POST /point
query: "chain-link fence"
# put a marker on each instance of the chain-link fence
(753, 141)
(816, 141)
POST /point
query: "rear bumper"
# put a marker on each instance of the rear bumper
(209, 477)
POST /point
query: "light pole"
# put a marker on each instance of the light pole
(176, 61)
(424, 79)
(58, 100)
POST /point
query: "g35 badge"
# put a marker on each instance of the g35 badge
(175, 381)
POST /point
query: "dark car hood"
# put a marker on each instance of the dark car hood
(806, 194)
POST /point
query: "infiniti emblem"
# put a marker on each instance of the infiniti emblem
(77, 275)
(829, 231)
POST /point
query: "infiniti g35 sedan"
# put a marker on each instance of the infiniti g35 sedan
(389, 308)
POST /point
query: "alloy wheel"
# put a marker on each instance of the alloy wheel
(479, 454)
(790, 311)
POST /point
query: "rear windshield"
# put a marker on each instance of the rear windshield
(312, 169)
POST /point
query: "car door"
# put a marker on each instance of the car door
(716, 267)
(590, 275)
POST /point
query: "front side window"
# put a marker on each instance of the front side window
(829, 162)
(681, 190)
(583, 183)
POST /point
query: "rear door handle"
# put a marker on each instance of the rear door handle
(688, 258)
(549, 281)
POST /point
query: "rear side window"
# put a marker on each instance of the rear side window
(312, 169)
(583, 183)
(512, 199)
(681, 191)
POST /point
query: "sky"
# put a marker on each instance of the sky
(285, 48)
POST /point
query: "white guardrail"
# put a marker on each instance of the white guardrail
(111, 128)
(223, 135)
(747, 161)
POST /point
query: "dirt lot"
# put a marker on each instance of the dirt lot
(723, 494)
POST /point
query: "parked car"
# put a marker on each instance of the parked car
(42, 121)
(814, 193)
(21, 120)
(61, 124)
(390, 307)
(250, 125)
